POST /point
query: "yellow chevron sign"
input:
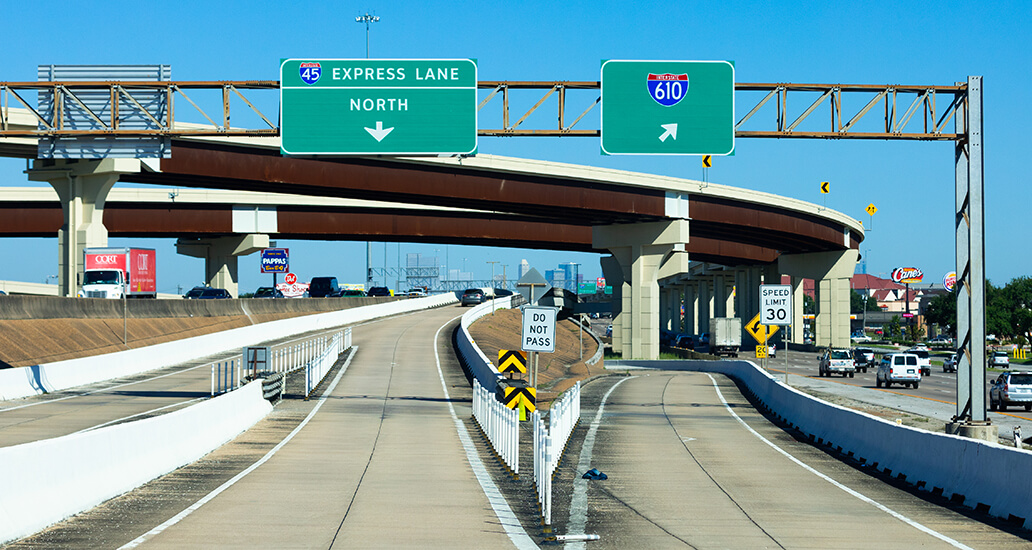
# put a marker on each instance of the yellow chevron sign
(512, 360)
(515, 396)
(759, 332)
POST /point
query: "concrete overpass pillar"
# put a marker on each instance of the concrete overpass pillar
(798, 334)
(641, 250)
(675, 307)
(719, 297)
(691, 309)
(831, 272)
(665, 321)
(613, 273)
(82, 188)
(220, 256)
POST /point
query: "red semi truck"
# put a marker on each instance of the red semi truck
(114, 272)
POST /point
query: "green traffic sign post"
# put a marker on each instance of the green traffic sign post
(668, 107)
(378, 106)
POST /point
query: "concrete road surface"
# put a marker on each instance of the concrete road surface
(685, 472)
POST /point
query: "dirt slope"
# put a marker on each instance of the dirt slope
(556, 371)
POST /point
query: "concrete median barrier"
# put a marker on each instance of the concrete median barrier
(46, 481)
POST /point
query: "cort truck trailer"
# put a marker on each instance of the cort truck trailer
(114, 272)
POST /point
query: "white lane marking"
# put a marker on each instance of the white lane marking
(856, 494)
(506, 517)
(207, 498)
(124, 418)
(579, 501)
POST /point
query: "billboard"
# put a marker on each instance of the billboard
(275, 260)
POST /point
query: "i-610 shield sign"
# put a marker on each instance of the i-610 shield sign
(776, 305)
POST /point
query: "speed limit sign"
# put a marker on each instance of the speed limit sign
(776, 305)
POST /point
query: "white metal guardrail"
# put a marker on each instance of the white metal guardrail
(225, 376)
(315, 354)
(500, 424)
(550, 444)
(318, 366)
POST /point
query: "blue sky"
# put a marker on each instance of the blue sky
(912, 184)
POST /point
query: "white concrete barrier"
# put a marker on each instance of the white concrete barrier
(46, 481)
(48, 377)
(981, 472)
(480, 365)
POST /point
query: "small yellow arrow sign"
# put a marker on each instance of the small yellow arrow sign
(871, 209)
(514, 361)
(824, 188)
(707, 161)
(759, 332)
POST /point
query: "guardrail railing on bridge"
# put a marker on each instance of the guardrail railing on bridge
(316, 355)
(550, 444)
(500, 424)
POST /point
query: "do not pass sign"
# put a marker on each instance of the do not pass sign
(538, 329)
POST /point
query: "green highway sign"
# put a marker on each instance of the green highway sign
(378, 106)
(668, 107)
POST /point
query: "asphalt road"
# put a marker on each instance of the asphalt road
(686, 470)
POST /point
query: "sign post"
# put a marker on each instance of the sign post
(668, 107)
(378, 106)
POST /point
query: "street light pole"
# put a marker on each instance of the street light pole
(367, 19)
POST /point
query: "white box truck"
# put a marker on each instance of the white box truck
(725, 336)
(112, 272)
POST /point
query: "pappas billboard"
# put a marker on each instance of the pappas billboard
(275, 260)
(907, 275)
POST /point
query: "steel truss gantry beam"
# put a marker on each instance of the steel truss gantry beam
(909, 112)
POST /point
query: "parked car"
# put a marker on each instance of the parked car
(924, 358)
(999, 359)
(863, 358)
(214, 294)
(378, 291)
(860, 338)
(898, 368)
(323, 287)
(950, 365)
(941, 340)
(1011, 388)
(836, 361)
(473, 296)
(268, 292)
(195, 292)
(609, 331)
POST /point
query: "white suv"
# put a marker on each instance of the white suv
(999, 359)
(898, 368)
(1011, 388)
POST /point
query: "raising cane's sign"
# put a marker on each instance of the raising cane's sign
(907, 275)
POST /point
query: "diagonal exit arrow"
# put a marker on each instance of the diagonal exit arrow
(671, 131)
(379, 132)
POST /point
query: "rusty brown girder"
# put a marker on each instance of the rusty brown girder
(910, 112)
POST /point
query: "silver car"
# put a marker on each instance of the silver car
(898, 368)
(1011, 388)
